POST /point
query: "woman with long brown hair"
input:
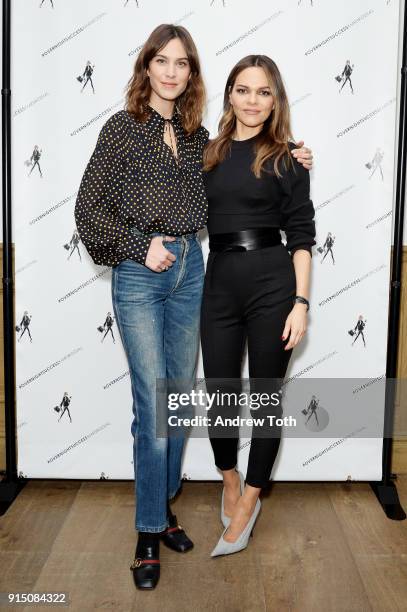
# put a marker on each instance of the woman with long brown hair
(140, 205)
(256, 288)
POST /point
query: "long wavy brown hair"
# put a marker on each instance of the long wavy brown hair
(276, 132)
(191, 102)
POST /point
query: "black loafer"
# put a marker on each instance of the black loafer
(175, 537)
(146, 564)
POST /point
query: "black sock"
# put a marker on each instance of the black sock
(148, 537)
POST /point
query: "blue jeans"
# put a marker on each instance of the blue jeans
(157, 314)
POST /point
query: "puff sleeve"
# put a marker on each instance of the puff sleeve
(297, 210)
(106, 237)
(202, 138)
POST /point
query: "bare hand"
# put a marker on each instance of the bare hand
(158, 258)
(295, 326)
(303, 155)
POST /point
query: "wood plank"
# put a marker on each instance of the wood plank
(29, 528)
(315, 546)
(378, 544)
(96, 547)
(305, 562)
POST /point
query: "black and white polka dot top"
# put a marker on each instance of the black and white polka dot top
(133, 182)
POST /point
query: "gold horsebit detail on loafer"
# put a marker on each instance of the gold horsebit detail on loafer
(138, 562)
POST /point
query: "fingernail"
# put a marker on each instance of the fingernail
(282, 337)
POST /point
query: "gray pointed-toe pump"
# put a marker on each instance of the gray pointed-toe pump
(226, 548)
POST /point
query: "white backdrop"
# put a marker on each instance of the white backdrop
(69, 298)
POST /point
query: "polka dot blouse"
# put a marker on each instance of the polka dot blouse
(133, 186)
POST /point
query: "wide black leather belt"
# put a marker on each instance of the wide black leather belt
(245, 240)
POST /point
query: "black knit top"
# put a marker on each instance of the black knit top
(237, 200)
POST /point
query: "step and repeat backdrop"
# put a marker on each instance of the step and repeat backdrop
(71, 60)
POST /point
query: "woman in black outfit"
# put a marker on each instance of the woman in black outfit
(256, 288)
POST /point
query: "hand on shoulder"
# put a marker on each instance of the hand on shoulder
(302, 154)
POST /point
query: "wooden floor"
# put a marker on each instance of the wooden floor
(316, 547)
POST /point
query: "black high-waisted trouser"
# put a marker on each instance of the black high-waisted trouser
(247, 295)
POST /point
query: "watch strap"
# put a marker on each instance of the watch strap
(301, 300)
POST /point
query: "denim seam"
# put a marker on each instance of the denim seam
(119, 325)
(183, 266)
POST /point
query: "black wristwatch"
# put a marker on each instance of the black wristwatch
(301, 300)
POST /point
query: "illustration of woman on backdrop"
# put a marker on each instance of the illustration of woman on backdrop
(25, 326)
(35, 159)
(140, 205)
(328, 244)
(87, 75)
(346, 74)
(359, 327)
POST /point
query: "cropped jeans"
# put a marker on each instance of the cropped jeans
(157, 314)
